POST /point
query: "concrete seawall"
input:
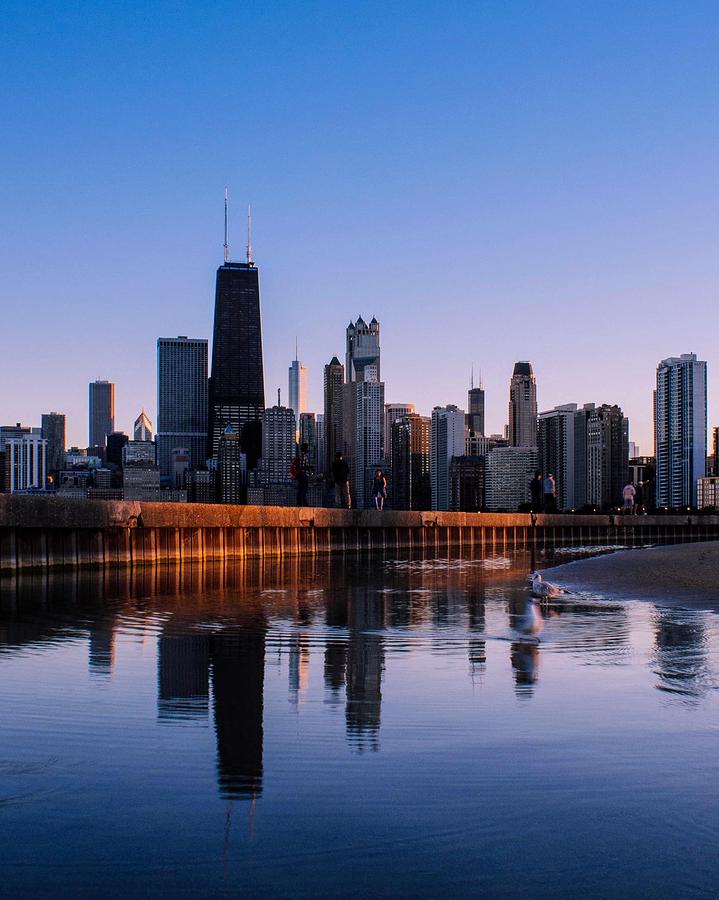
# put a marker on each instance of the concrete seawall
(55, 533)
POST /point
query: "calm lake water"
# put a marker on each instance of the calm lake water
(356, 728)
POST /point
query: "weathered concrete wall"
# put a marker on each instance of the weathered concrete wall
(37, 532)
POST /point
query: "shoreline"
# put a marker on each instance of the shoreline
(668, 575)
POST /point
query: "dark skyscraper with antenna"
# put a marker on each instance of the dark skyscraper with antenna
(236, 385)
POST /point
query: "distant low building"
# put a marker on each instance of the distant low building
(202, 486)
(139, 452)
(466, 483)
(708, 492)
(25, 464)
(141, 481)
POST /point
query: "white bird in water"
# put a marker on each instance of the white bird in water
(531, 621)
(544, 590)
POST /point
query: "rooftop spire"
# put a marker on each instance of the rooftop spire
(226, 245)
(296, 352)
(249, 235)
(471, 379)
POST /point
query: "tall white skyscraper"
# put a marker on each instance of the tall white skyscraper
(680, 429)
(447, 440)
(522, 406)
(297, 392)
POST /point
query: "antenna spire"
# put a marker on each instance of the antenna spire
(471, 379)
(278, 397)
(480, 380)
(296, 353)
(226, 245)
(249, 235)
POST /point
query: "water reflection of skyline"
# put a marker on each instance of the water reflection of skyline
(212, 630)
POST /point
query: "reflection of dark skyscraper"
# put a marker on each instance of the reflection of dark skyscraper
(365, 665)
(238, 675)
(236, 388)
(102, 646)
(183, 675)
(681, 652)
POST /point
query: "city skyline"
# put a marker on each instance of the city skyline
(568, 194)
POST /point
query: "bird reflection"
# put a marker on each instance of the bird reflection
(525, 617)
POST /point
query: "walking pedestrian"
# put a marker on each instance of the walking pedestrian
(536, 489)
(341, 478)
(550, 494)
(379, 488)
(303, 475)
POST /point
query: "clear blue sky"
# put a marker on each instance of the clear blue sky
(493, 180)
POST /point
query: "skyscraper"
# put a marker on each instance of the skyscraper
(278, 443)
(362, 349)
(475, 408)
(181, 401)
(392, 412)
(25, 467)
(523, 406)
(334, 380)
(447, 441)
(237, 386)
(321, 444)
(297, 391)
(53, 431)
(409, 438)
(607, 455)
(363, 439)
(556, 435)
(101, 412)
(142, 430)
(308, 435)
(231, 468)
(508, 473)
(362, 408)
(680, 429)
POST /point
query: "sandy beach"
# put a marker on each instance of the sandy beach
(682, 574)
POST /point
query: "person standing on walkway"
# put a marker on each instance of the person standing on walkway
(628, 495)
(341, 478)
(550, 494)
(303, 475)
(536, 489)
(379, 488)
(639, 499)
